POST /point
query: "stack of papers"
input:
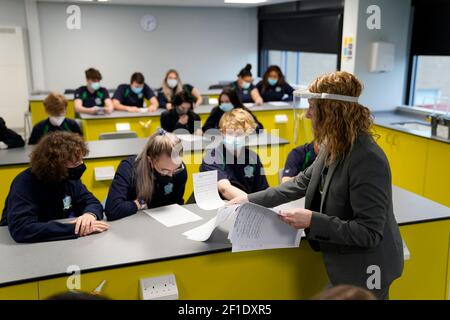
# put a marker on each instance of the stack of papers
(253, 227)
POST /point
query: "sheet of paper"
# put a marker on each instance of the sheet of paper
(172, 215)
(104, 173)
(205, 190)
(249, 104)
(257, 228)
(279, 103)
(204, 231)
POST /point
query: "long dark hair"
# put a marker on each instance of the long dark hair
(233, 96)
(281, 79)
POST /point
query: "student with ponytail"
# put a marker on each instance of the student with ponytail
(244, 87)
(155, 178)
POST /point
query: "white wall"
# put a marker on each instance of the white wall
(383, 91)
(205, 44)
(12, 14)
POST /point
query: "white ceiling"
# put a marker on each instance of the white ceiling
(193, 3)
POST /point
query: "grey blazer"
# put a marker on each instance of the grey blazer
(356, 226)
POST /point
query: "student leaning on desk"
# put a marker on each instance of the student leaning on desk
(348, 212)
(228, 100)
(92, 98)
(244, 87)
(155, 178)
(51, 189)
(130, 97)
(239, 169)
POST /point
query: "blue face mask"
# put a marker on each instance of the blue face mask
(226, 107)
(137, 90)
(272, 81)
(246, 85)
(95, 86)
(234, 142)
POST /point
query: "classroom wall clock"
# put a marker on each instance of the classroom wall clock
(149, 23)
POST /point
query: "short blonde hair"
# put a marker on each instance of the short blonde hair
(55, 104)
(237, 119)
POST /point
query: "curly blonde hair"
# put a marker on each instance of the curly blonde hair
(50, 157)
(237, 119)
(336, 123)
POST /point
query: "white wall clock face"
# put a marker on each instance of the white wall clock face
(148, 23)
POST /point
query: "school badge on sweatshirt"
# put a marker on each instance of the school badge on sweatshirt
(249, 171)
(67, 202)
(98, 101)
(168, 188)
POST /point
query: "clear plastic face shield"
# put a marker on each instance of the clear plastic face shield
(302, 103)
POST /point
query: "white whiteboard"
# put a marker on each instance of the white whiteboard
(13, 77)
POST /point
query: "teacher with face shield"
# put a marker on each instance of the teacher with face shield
(348, 212)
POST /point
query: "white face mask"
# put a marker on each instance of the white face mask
(172, 83)
(57, 121)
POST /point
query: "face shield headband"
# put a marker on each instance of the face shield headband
(304, 94)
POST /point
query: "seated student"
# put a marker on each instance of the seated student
(156, 177)
(244, 87)
(273, 86)
(299, 159)
(56, 106)
(181, 116)
(51, 189)
(91, 98)
(239, 169)
(8, 138)
(130, 97)
(228, 100)
(171, 86)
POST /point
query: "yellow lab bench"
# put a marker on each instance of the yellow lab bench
(138, 247)
(36, 104)
(272, 151)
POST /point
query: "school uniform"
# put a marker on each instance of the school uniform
(163, 101)
(169, 121)
(91, 99)
(244, 171)
(44, 127)
(299, 159)
(122, 193)
(127, 97)
(276, 92)
(214, 118)
(32, 206)
(243, 94)
(10, 138)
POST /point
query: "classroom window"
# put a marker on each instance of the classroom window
(429, 83)
(301, 68)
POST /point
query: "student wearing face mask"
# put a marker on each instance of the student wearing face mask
(130, 97)
(239, 169)
(273, 86)
(92, 98)
(181, 116)
(228, 100)
(156, 177)
(56, 106)
(244, 87)
(51, 190)
(171, 86)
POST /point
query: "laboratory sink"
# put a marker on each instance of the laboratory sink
(413, 125)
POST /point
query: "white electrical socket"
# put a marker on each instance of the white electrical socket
(159, 288)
